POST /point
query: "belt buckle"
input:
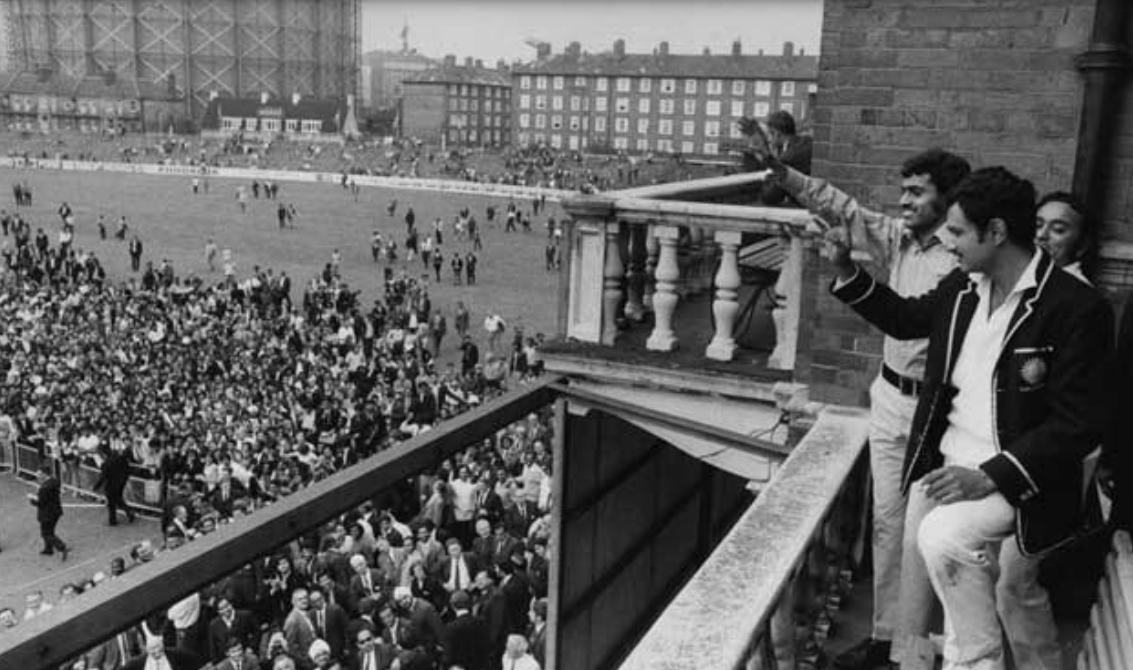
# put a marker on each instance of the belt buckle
(908, 386)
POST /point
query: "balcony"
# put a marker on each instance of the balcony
(689, 284)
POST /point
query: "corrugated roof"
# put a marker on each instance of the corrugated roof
(461, 74)
(724, 66)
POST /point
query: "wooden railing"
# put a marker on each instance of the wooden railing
(1108, 644)
(645, 250)
(778, 578)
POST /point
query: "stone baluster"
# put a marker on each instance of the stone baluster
(652, 249)
(693, 273)
(665, 296)
(635, 274)
(726, 305)
(613, 274)
(788, 295)
(684, 260)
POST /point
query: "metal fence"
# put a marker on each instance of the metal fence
(142, 493)
(1108, 644)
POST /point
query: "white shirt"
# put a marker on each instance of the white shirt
(463, 499)
(970, 438)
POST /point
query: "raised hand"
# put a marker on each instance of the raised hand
(837, 244)
(759, 146)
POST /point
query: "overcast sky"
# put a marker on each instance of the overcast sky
(494, 29)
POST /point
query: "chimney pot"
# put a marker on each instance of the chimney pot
(479, 63)
(788, 48)
(737, 48)
(468, 62)
(543, 51)
(802, 51)
(620, 48)
(707, 51)
(450, 60)
(664, 48)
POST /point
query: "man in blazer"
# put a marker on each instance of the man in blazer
(49, 509)
(230, 623)
(366, 582)
(1014, 399)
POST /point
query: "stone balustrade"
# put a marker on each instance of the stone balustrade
(1108, 644)
(642, 252)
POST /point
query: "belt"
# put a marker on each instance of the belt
(906, 385)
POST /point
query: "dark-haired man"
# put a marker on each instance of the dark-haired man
(792, 150)
(908, 248)
(1014, 398)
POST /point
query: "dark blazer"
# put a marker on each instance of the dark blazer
(336, 624)
(466, 643)
(1050, 388)
(444, 569)
(243, 628)
(49, 506)
(1117, 450)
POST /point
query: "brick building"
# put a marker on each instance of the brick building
(660, 102)
(1000, 82)
(468, 105)
(267, 117)
(383, 75)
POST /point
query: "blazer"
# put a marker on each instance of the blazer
(466, 643)
(243, 628)
(1050, 389)
(49, 506)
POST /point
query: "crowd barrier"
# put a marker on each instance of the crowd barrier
(443, 185)
(143, 494)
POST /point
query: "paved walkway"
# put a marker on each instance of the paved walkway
(83, 527)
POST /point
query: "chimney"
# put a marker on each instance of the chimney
(788, 48)
(802, 51)
(663, 49)
(468, 62)
(620, 48)
(707, 51)
(501, 65)
(264, 97)
(574, 50)
(737, 48)
(479, 63)
(761, 52)
(450, 61)
(295, 98)
(543, 51)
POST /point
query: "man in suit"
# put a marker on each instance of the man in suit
(115, 472)
(488, 502)
(466, 637)
(483, 543)
(792, 150)
(519, 514)
(226, 492)
(459, 569)
(115, 653)
(1014, 399)
(422, 617)
(366, 582)
(372, 653)
(49, 509)
(298, 629)
(330, 623)
(229, 623)
(538, 632)
(516, 588)
(491, 607)
(238, 657)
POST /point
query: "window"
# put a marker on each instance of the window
(667, 106)
(643, 106)
(642, 144)
(601, 83)
(737, 108)
(787, 89)
(541, 83)
(540, 138)
(621, 143)
(600, 124)
(292, 125)
(557, 141)
(690, 107)
(665, 145)
(621, 105)
(711, 148)
(812, 88)
(788, 107)
(690, 86)
(558, 83)
(453, 136)
(524, 101)
(762, 109)
(524, 120)
(738, 87)
(687, 147)
(621, 124)
(688, 128)
(524, 139)
(623, 84)
(472, 135)
(600, 104)
(645, 84)
(575, 103)
(271, 125)
(556, 122)
(540, 102)
(668, 85)
(233, 123)
(643, 126)
(311, 126)
(763, 87)
(735, 131)
(580, 82)
(715, 87)
(712, 129)
(665, 127)
(574, 123)
(557, 103)
(540, 121)
(712, 108)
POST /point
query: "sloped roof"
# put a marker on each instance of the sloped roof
(328, 110)
(461, 74)
(723, 66)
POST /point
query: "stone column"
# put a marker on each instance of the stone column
(652, 250)
(788, 296)
(613, 274)
(635, 274)
(725, 306)
(665, 297)
(584, 300)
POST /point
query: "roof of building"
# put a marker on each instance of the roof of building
(462, 74)
(329, 110)
(722, 66)
(91, 86)
(377, 57)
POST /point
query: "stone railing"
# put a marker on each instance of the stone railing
(645, 250)
(768, 595)
(1108, 644)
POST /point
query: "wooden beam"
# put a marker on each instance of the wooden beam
(49, 640)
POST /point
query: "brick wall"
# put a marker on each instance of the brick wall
(993, 80)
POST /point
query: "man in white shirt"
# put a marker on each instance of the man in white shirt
(1014, 400)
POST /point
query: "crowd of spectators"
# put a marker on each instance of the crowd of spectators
(232, 397)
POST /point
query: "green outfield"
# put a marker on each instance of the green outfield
(173, 223)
